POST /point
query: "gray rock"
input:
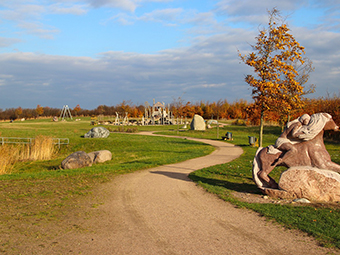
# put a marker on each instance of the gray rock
(97, 132)
(197, 123)
(100, 156)
(76, 160)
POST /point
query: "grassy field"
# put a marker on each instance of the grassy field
(39, 193)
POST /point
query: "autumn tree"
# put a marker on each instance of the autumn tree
(276, 84)
(39, 110)
(18, 111)
(77, 109)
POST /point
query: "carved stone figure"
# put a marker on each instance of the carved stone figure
(289, 137)
(300, 144)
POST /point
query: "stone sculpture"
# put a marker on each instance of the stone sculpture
(300, 148)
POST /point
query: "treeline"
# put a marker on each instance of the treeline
(221, 109)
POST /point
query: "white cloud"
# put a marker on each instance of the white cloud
(6, 42)
(207, 70)
(204, 18)
(255, 12)
(213, 85)
(251, 7)
(38, 29)
(167, 15)
(117, 76)
(28, 18)
(124, 19)
(128, 5)
(22, 12)
(60, 8)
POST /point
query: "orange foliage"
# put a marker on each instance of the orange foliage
(39, 110)
(77, 109)
(276, 84)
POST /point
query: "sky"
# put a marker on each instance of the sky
(103, 52)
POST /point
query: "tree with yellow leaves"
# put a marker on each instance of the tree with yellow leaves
(39, 110)
(277, 84)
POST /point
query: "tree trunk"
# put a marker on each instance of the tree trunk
(261, 128)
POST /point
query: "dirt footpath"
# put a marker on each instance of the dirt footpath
(160, 211)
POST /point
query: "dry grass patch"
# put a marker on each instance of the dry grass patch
(8, 156)
(42, 148)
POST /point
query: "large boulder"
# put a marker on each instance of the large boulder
(307, 182)
(100, 156)
(76, 160)
(197, 123)
(97, 132)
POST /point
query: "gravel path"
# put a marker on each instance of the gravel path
(160, 211)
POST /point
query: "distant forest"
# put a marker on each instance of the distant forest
(221, 109)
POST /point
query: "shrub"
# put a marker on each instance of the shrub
(123, 129)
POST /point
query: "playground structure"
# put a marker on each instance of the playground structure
(157, 114)
(65, 113)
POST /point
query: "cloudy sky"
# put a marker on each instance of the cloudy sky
(93, 52)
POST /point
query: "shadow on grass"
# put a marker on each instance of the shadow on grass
(239, 187)
(243, 145)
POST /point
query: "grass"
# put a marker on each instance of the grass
(319, 220)
(38, 194)
(7, 158)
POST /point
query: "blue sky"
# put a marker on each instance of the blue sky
(93, 52)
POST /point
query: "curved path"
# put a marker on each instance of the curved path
(160, 211)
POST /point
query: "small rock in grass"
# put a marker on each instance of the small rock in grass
(301, 200)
